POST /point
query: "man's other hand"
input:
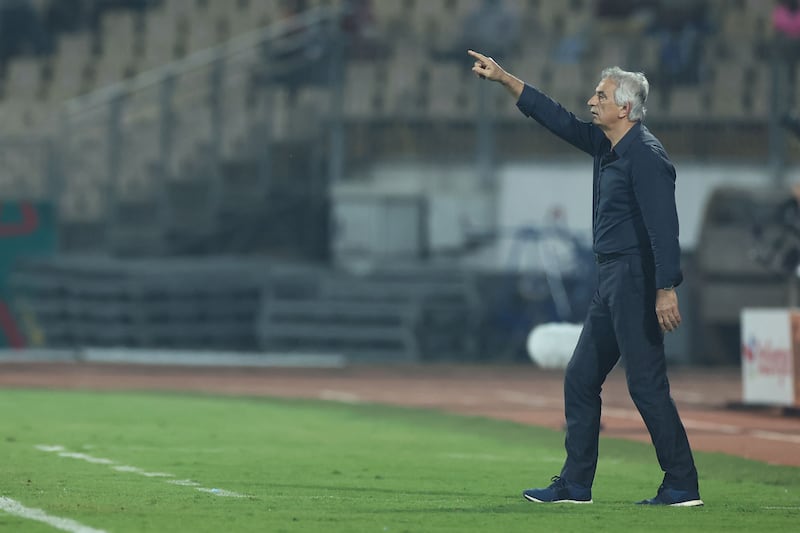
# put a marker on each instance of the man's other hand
(669, 316)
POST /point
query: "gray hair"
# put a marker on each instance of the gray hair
(632, 87)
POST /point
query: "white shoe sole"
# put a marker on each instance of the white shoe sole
(688, 503)
(532, 499)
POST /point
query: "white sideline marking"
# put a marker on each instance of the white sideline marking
(87, 458)
(688, 396)
(712, 426)
(61, 451)
(782, 508)
(222, 492)
(772, 435)
(46, 448)
(15, 508)
(530, 400)
(184, 482)
(624, 414)
(339, 396)
(137, 470)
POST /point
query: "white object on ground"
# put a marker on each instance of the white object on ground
(551, 345)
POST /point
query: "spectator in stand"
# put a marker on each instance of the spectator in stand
(97, 8)
(621, 21)
(294, 42)
(786, 20)
(296, 57)
(66, 16)
(492, 27)
(21, 30)
(786, 23)
(360, 30)
(681, 27)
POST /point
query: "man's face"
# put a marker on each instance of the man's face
(605, 111)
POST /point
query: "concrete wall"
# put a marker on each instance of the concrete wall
(458, 207)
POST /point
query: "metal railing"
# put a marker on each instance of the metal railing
(126, 142)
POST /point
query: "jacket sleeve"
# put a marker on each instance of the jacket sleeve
(653, 177)
(583, 135)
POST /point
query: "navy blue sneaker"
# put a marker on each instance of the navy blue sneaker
(674, 498)
(559, 491)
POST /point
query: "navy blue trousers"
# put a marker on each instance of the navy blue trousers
(621, 322)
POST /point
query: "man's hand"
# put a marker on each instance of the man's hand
(487, 68)
(669, 316)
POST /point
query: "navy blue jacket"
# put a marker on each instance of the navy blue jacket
(634, 187)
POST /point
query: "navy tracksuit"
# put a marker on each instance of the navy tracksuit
(635, 228)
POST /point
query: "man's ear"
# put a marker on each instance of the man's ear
(625, 110)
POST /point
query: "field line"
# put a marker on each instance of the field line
(339, 396)
(15, 508)
(773, 435)
(61, 451)
(530, 400)
(785, 508)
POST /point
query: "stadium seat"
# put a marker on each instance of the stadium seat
(82, 163)
(447, 91)
(112, 66)
(239, 16)
(24, 175)
(572, 85)
(84, 204)
(756, 99)
(204, 31)
(261, 13)
(686, 103)
(160, 39)
(389, 17)
(73, 56)
(741, 24)
(23, 79)
(119, 33)
(360, 85)
(20, 118)
(176, 8)
(402, 89)
(237, 107)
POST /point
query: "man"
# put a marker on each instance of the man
(635, 228)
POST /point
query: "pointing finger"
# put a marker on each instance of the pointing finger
(476, 55)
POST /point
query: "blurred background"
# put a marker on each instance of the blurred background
(328, 178)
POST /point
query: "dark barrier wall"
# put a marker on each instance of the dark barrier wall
(26, 229)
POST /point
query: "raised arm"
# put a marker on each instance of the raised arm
(537, 105)
(487, 68)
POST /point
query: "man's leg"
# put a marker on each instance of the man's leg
(594, 357)
(642, 347)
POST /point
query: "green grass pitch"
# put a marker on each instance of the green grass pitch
(140, 462)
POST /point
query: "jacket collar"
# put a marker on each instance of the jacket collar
(625, 143)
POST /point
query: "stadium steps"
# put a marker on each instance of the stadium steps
(390, 316)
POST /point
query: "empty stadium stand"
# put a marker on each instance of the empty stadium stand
(173, 128)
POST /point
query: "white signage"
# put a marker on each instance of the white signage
(767, 357)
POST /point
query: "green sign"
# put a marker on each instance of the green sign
(26, 229)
